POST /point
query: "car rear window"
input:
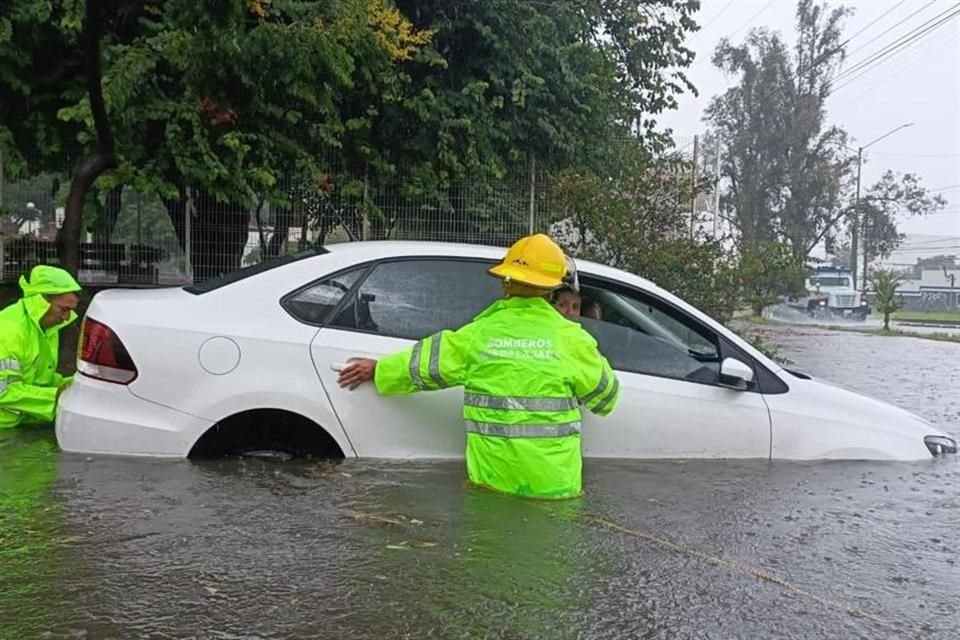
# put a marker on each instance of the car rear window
(206, 286)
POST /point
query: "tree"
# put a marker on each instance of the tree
(343, 87)
(636, 217)
(768, 271)
(173, 115)
(935, 262)
(785, 168)
(885, 285)
(891, 196)
(506, 84)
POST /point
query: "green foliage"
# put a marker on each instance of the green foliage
(634, 217)
(759, 342)
(885, 284)
(244, 100)
(785, 168)
(768, 271)
(890, 197)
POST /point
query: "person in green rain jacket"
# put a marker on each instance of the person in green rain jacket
(30, 345)
(525, 369)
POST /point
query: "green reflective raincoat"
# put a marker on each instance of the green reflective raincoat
(28, 353)
(525, 370)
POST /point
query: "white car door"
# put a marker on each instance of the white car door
(668, 366)
(397, 302)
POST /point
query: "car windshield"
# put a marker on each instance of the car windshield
(830, 281)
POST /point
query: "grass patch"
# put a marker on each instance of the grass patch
(934, 317)
(897, 333)
(872, 331)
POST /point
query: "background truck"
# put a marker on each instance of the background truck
(830, 293)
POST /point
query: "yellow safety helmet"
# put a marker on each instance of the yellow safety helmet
(535, 261)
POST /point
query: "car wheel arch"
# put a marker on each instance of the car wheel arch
(267, 428)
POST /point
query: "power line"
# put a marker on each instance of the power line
(875, 20)
(909, 63)
(718, 14)
(828, 54)
(918, 243)
(950, 188)
(916, 155)
(883, 33)
(872, 61)
(755, 16)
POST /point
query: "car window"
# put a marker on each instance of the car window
(416, 298)
(314, 304)
(212, 284)
(641, 334)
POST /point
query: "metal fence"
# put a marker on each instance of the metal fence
(134, 238)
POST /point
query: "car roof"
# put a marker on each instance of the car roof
(376, 249)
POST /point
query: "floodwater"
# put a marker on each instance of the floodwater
(251, 548)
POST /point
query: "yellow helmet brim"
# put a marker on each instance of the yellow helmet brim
(526, 276)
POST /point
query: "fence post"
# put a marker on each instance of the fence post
(365, 228)
(693, 184)
(533, 177)
(188, 232)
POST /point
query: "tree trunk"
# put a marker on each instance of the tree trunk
(218, 234)
(218, 237)
(886, 321)
(281, 229)
(68, 238)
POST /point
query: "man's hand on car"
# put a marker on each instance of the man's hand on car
(356, 373)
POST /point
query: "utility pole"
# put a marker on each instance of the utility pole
(693, 184)
(716, 191)
(856, 223)
(856, 212)
(533, 194)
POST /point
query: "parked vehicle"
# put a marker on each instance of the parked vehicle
(830, 293)
(248, 361)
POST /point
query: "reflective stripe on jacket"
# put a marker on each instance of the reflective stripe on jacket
(28, 363)
(525, 370)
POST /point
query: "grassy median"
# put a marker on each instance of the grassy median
(931, 317)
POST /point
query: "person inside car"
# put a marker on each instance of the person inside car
(567, 301)
(590, 309)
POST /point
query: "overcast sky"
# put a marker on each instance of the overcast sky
(920, 83)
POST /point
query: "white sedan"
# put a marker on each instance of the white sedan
(249, 362)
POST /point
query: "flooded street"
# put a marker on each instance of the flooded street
(121, 548)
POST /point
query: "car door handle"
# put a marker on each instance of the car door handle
(340, 366)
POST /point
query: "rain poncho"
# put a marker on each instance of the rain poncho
(526, 370)
(28, 353)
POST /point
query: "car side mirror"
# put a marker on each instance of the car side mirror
(735, 374)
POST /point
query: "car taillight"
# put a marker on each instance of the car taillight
(102, 355)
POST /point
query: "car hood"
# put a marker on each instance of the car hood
(860, 409)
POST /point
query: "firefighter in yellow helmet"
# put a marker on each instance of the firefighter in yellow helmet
(525, 370)
(30, 345)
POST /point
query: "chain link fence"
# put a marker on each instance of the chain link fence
(138, 239)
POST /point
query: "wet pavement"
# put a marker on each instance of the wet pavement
(120, 548)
